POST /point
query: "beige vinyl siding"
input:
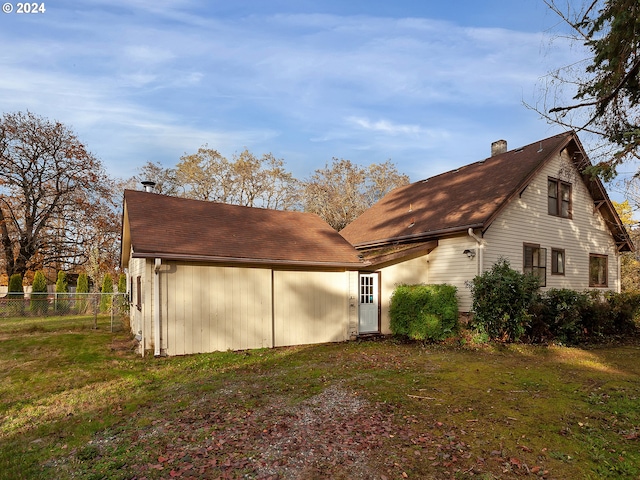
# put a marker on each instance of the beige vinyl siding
(445, 264)
(354, 288)
(412, 271)
(208, 308)
(205, 308)
(136, 269)
(310, 307)
(449, 264)
(526, 220)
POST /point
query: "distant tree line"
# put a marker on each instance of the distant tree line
(61, 211)
(338, 193)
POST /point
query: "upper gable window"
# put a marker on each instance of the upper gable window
(559, 198)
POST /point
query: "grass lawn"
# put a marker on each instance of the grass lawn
(75, 402)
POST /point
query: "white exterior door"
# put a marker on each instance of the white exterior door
(368, 304)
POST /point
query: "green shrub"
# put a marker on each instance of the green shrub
(82, 289)
(16, 292)
(123, 301)
(424, 312)
(572, 317)
(107, 289)
(501, 300)
(610, 313)
(623, 308)
(62, 287)
(39, 303)
(567, 308)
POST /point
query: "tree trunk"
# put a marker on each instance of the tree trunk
(7, 250)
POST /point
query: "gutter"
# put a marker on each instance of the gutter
(415, 236)
(247, 261)
(480, 246)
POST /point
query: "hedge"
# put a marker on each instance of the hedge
(424, 312)
(571, 317)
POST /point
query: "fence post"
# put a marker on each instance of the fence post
(95, 311)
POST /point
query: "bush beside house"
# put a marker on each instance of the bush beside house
(508, 306)
(502, 298)
(571, 317)
(424, 312)
(123, 301)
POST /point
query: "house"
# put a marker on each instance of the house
(206, 276)
(532, 206)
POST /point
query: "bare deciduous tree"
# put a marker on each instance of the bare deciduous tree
(341, 192)
(164, 178)
(246, 180)
(205, 175)
(55, 197)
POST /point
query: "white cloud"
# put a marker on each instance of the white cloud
(385, 126)
(164, 77)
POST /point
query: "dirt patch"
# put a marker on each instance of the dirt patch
(332, 430)
(123, 346)
(334, 434)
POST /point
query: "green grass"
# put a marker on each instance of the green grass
(76, 402)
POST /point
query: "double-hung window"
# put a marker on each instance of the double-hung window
(598, 265)
(557, 261)
(559, 198)
(535, 262)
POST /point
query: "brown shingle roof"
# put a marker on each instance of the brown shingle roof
(178, 228)
(470, 196)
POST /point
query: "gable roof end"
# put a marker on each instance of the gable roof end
(469, 197)
(601, 199)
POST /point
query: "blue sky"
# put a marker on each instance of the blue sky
(427, 84)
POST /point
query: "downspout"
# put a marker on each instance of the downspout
(156, 307)
(480, 247)
(618, 262)
(273, 312)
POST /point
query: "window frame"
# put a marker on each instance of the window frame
(599, 257)
(537, 268)
(558, 198)
(139, 293)
(554, 261)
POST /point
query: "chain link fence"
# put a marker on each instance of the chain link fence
(91, 305)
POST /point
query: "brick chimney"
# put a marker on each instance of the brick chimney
(498, 147)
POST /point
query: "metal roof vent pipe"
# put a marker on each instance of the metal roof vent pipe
(498, 147)
(148, 185)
